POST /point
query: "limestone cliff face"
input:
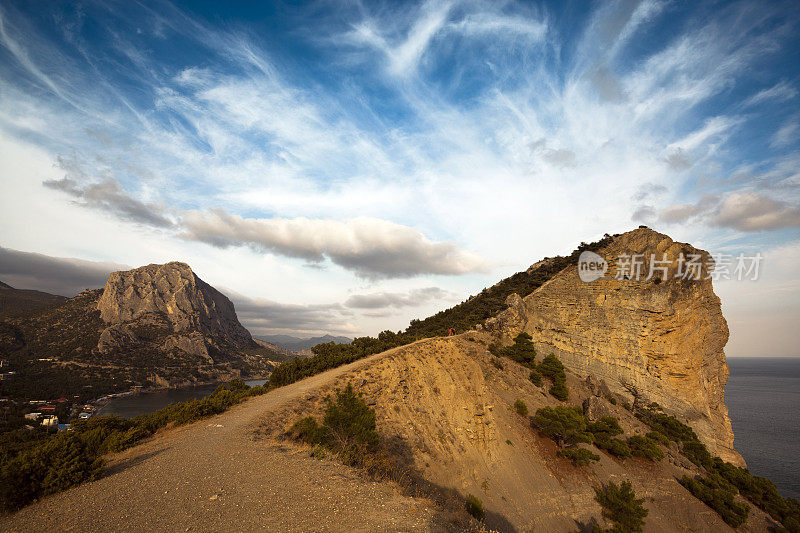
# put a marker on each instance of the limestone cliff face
(170, 304)
(656, 340)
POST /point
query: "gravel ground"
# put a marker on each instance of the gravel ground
(214, 476)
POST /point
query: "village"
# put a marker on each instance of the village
(49, 414)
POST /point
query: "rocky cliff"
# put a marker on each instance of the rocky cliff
(193, 316)
(154, 326)
(655, 338)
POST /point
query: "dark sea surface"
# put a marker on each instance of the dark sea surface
(147, 402)
(763, 398)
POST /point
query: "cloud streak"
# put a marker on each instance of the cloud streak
(56, 275)
(396, 300)
(743, 211)
(371, 248)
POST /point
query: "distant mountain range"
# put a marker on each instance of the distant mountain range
(297, 344)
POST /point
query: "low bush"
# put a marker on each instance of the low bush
(696, 452)
(605, 428)
(553, 369)
(521, 408)
(498, 363)
(522, 351)
(536, 377)
(659, 438)
(565, 425)
(621, 507)
(475, 507)
(57, 464)
(579, 456)
(669, 426)
(348, 429)
(645, 447)
(616, 447)
(604, 432)
(719, 487)
(720, 495)
(559, 391)
(762, 493)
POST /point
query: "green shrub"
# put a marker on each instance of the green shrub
(621, 506)
(349, 420)
(616, 447)
(667, 425)
(645, 447)
(720, 495)
(603, 432)
(696, 452)
(310, 431)
(659, 438)
(536, 377)
(560, 391)
(521, 408)
(348, 428)
(475, 507)
(563, 424)
(579, 456)
(522, 351)
(604, 428)
(553, 369)
(762, 493)
(59, 463)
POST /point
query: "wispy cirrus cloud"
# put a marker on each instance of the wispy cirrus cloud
(780, 92)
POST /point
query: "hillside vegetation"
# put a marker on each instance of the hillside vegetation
(459, 318)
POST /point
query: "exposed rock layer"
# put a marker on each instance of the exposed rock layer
(655, 340)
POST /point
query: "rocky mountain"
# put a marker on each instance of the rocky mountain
(471, 417)
(154, 326)
(653, 340)
(16, 302)
(180, 309)
(297, 344)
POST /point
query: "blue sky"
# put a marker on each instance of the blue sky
(343, 167)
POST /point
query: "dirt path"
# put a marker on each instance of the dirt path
(213, 476)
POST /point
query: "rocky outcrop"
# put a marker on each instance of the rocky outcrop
(658, 338)
(168, 304)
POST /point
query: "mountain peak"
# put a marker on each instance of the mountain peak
(172, 297)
